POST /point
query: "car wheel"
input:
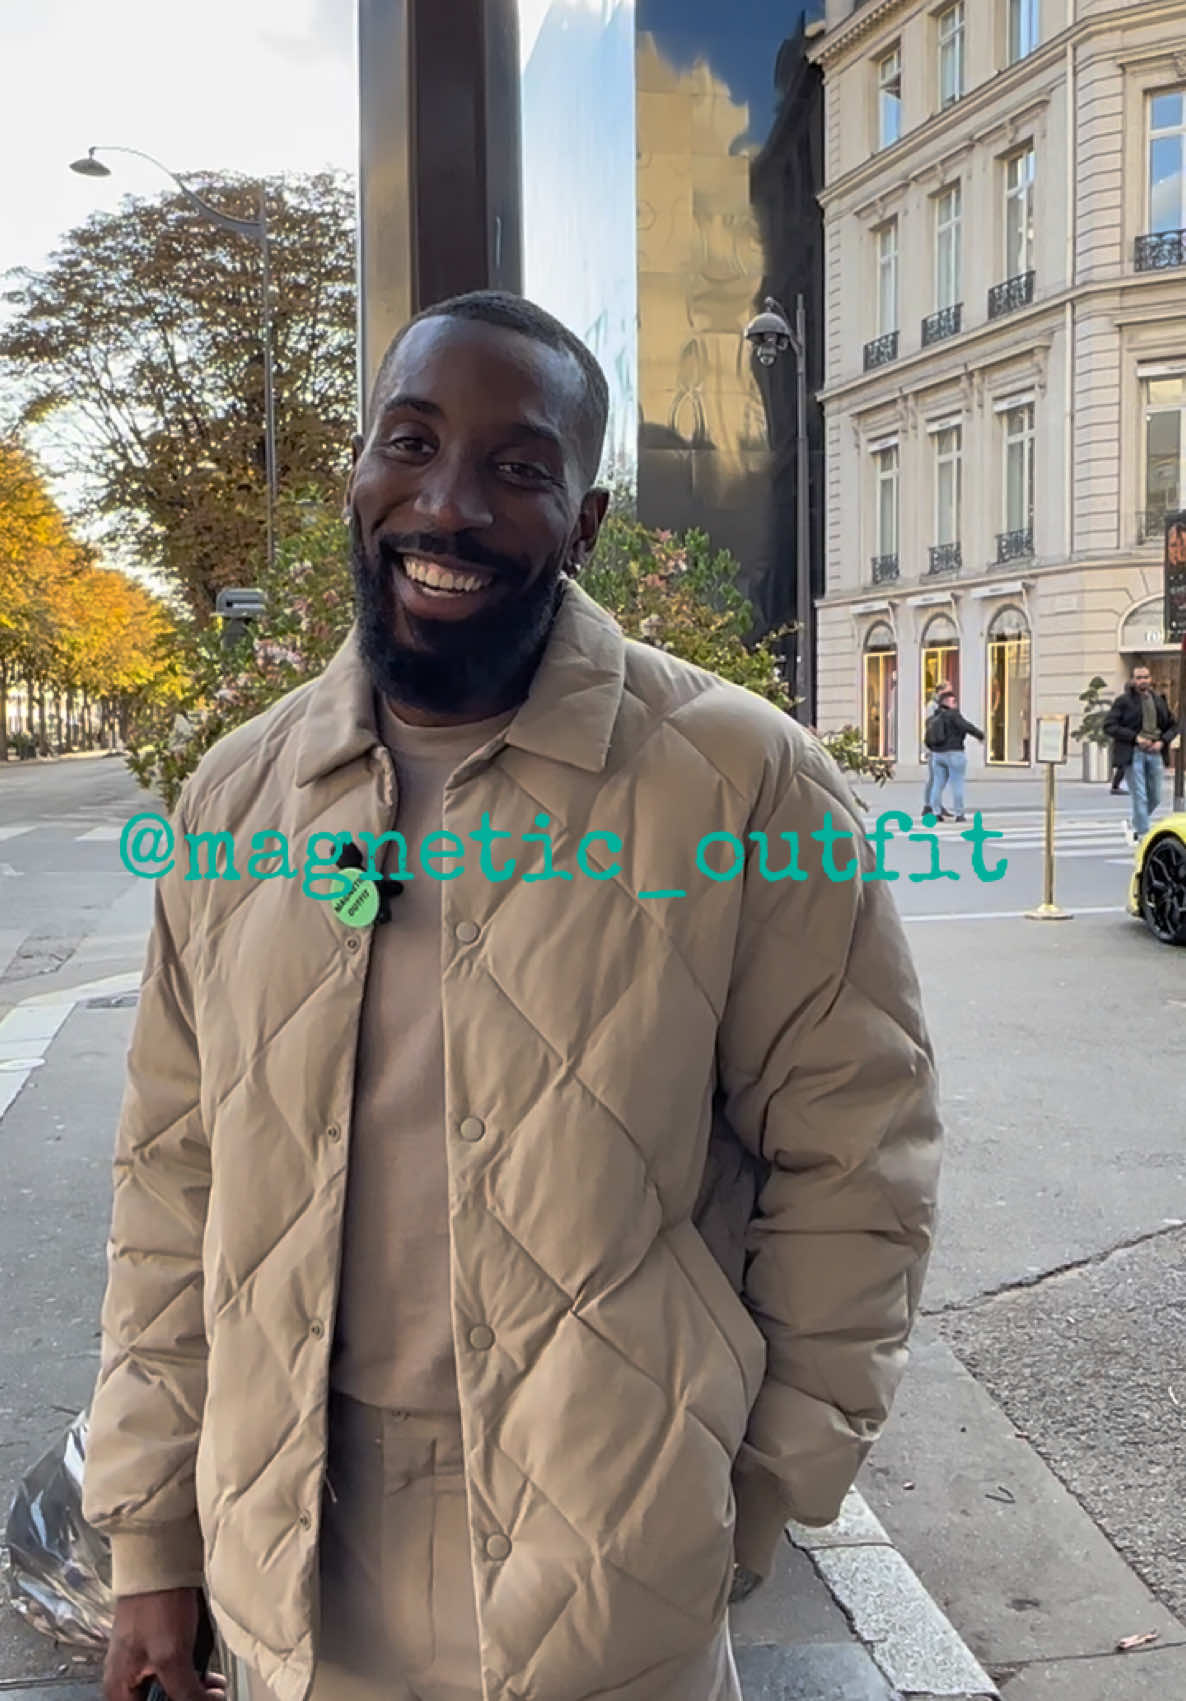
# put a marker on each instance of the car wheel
(1163, 891)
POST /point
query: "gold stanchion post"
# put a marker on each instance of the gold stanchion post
(1052, 738)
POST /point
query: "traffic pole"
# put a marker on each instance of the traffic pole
(1180, 753)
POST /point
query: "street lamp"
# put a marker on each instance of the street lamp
(770, 335)
(257, 231)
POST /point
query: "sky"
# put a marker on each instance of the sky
(254, 86)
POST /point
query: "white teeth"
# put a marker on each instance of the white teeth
(442, 580)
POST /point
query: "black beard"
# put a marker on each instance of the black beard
(485, 662)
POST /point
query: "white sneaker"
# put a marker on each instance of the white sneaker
(1130, 837)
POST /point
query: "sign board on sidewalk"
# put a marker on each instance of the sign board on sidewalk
(1052, 738)
(1175, 578)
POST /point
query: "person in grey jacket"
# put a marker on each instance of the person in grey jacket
(946, 732)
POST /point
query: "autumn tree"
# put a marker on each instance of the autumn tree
(140, 345)
(70, 630)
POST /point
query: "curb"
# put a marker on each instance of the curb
(910, 1638)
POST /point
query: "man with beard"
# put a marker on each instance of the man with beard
(490, 1284)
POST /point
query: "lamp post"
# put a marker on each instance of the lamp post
(257, 230)
(771, 334)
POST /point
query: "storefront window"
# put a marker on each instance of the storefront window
(940, 664)
(1009, 688)
(881, 692)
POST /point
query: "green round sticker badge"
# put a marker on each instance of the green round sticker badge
(360, 905)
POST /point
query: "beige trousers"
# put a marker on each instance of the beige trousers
(398, 1618)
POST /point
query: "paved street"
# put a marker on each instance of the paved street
(1032, 1472)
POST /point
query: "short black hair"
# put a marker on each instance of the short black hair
(515, 313)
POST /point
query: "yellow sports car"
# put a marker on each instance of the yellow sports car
(1158, 890)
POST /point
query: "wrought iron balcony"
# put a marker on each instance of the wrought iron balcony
(947, 322)
(1160, 251)
(881, 350)
(1007, 297)
(945, 558)
(885, 567)
(1015, 546)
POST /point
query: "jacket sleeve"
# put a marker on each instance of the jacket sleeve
(968, 729)
(146, 1411)
(828, 1076)
(1116, 728)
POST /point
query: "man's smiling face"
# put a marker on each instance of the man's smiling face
(470, 499)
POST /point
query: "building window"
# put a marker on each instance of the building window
(1019, 469)
(880, 664)
(951, 54)
(885, 462)
(887, 278)
(1167, 162)
(889, 98)
(1009, 688)
(940, 665)
(948, 484)
(1019, 213)
(1165, 450)
(948, 247)
(1022, 29)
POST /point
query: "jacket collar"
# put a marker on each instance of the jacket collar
(568, 716)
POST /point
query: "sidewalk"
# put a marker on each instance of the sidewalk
(844, 1618)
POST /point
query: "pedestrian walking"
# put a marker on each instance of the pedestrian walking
(1142, 726)
(946, 734)
(489, 1285)
(936, 696)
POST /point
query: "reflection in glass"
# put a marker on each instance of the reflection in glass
(577, 96)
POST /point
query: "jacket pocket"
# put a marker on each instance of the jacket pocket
(741, 1334)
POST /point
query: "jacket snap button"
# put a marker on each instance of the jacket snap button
(305, 1521)
(481, 1338)
(333, 1132)
(317, 1330)
(472, 1128)
(467, 931)
(497, 1547)
(352, 942)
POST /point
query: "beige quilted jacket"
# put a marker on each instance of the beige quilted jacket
(648, 1075)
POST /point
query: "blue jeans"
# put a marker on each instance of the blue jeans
(1144, 782)
(948, 765)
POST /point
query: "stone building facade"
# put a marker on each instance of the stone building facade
(1005, 392)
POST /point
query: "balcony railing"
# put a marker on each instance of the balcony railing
(947, 322)
(1160, 251)
(945, 558)
(1007, 297)
(1015, 546)
(881, 350)
(885, 567)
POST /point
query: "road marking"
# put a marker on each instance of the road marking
(8, 872)
(15, 832)
(99, 836)
(25, 1037)
(1011, 915)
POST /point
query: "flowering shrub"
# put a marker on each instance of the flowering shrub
(674, 592)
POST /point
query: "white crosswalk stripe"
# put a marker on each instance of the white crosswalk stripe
(99, 836)
(1074, 836)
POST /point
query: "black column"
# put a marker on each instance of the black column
(439, 159)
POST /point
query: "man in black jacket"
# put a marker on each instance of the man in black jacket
(946, 731)
(1142, 727)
